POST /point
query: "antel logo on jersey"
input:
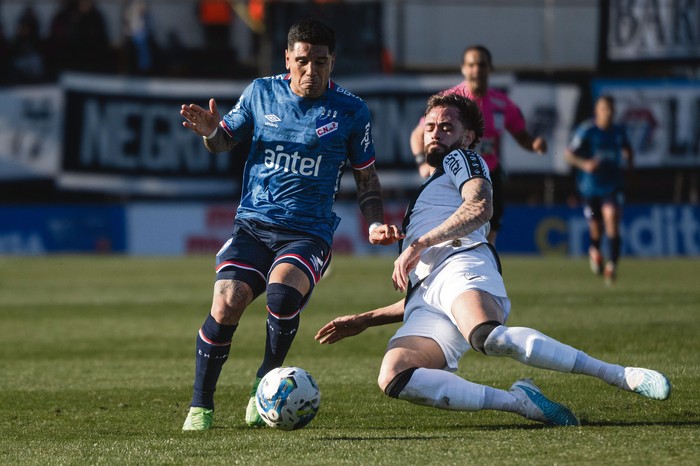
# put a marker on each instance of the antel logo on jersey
(325, 129)
(305, 166)
(272, 120)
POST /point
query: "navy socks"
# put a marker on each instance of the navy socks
(283, 304)
(213, 346)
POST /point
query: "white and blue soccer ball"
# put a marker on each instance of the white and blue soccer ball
(287, 398)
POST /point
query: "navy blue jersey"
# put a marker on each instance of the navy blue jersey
(591, 142)
(299, 149)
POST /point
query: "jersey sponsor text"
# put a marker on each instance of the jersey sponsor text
(306, 166)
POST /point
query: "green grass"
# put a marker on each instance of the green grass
(96, 366)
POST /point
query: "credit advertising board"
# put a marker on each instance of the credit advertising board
(177, 229)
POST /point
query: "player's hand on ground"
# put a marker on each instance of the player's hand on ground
(406, 262)
(202, 121)
(539, 145)
(385, 234)
(339, 328)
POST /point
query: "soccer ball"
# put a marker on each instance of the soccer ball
(287, 398)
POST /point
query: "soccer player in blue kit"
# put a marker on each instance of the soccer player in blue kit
(600, 151)
(304, 130)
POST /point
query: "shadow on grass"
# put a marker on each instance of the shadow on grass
(504, 427)
(640, 423)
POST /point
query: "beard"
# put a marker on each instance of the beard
(435, 153)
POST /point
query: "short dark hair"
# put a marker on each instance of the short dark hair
(480, 49)
(610, 100)
(469, 114)
(311, 31)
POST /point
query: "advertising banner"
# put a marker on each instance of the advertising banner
(549, 111)
(662, 118)
(126, 136)
(652, 29)
(45, 229)
(175, 229)
(29, 132)
(647, 230)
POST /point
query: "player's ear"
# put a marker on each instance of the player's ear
(286, 58)
(332, 61)
(469, 137)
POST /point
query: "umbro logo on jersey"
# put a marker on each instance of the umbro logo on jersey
(317, 263)
(272, 120)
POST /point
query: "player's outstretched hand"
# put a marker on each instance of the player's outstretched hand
(203, 122)
(406, 262)
(385, 234)
(339, 328)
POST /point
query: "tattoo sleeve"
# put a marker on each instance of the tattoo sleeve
(221, 142)
(369, 194)
(476, 209)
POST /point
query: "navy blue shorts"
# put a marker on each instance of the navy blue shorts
(255, 248)
(592, 206)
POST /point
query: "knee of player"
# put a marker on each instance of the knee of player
(481, 333)
(384, 379)
(230, 300)
(225, 315)
(283, 301)
(394, 381)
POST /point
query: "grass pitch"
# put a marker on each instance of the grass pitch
(96, 367)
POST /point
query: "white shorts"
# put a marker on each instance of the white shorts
(428, 310)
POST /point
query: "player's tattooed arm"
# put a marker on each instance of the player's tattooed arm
(369, 194)
(221, 142)
(476, 209)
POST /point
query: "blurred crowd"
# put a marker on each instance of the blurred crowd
(76, 39)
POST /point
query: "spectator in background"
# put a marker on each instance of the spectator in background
(600, 152)
(216, 18)
(88, 42)
(62, 23)
(26, 63)
(78, 38)
(4, 53)
(138, 27)
(500, 114)
(174, 55)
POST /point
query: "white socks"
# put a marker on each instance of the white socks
(538, 350)
(610, 373)
(445, 390)
(442, 389)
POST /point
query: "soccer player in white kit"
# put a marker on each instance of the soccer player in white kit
(456, 298)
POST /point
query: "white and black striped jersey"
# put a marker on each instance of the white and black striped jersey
(438, 198)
